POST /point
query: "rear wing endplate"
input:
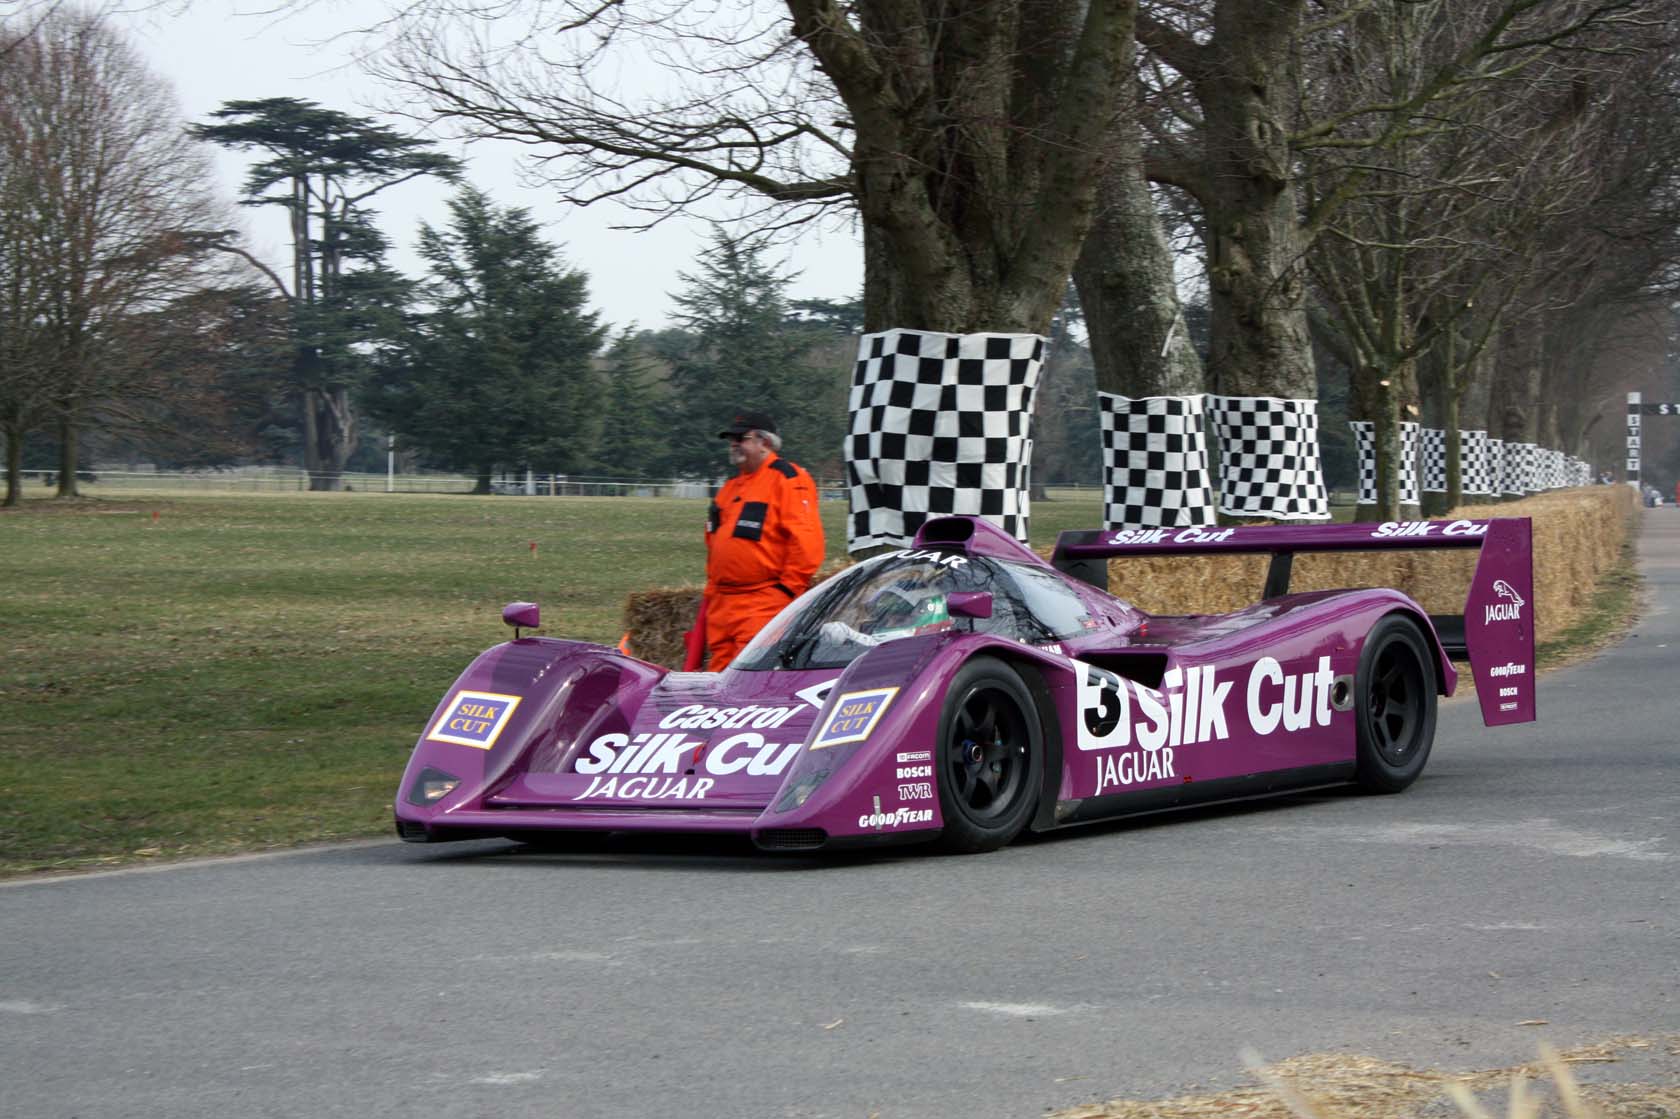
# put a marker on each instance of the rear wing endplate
(1495, 632)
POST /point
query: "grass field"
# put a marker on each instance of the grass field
(198, 674)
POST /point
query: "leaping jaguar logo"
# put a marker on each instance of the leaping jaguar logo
(1508, 610)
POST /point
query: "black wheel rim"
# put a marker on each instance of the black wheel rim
(986, 764)
(1395, 711)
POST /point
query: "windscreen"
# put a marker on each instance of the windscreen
(907, 594)
(898, 595)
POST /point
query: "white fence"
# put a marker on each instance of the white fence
(279, 479)
(285, 479)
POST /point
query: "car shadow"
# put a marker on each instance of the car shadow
(736, 854)
(641, 851)
(1179, 816)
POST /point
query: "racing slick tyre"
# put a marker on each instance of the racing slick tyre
(1394, 705)
(990, 760)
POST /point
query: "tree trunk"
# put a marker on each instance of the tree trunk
(68, 451)
(1515, 390)
(1562, 367)
(1376, 398)
(329, 436)
(1256, 274)
(1140, 344)
(1261, 345)
(944, 284)
(1450, 433)
(1434, 381)
(14, 468)
(482, 485)
(979, 139)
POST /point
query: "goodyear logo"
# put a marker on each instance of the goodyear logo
(474, 719)
(854, 717)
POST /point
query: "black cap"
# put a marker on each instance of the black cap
(748, 421)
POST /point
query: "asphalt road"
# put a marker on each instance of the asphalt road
(1532, 874)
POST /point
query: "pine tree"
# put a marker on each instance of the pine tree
(741, 352)
(634, 441)
(322, 167)
(500, 371)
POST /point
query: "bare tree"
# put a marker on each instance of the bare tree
(966, 137)
(24, 345)
(118, 219)
(24, 351)
(1240, 104)
(1451, 215)
(1590, 223)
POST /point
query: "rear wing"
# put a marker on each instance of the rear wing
(1495, 632)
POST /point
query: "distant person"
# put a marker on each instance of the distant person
(764, 540)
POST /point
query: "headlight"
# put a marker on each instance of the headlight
(800, 791)
(432, 786)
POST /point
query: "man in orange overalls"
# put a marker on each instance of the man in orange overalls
(764, 539)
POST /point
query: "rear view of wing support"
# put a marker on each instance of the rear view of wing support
(1495, 632)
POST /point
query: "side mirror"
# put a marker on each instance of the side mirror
(521, 615)
(970, 604)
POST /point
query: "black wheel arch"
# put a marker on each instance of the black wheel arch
(1033, 670)
(1443, 663)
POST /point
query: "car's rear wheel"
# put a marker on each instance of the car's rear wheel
(990, 758)
(1394, 699)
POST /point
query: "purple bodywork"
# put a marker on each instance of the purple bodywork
(1139, 712)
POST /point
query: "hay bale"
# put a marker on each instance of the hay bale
(1188, 584)
(655, 621)
(1579, 535)
(1356, 1086)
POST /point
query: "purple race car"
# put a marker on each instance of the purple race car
(962, 690)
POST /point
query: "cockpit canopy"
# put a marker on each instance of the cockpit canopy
(907, 593)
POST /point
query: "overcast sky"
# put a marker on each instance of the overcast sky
(216, 51)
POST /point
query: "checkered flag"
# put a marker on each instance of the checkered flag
(1155, 462)
(1365, 441)
(940, 423)
(1531, 480)
(1408, 462)
(1477, 471)
(1434, 460)
(1514, 468)
(1365, 446)
(1268, 458)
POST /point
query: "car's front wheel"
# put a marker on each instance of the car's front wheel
(1395, 704)
(990, 758)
